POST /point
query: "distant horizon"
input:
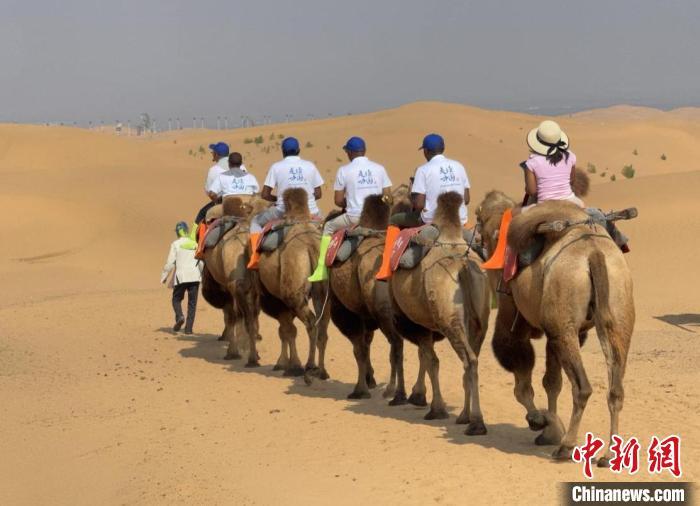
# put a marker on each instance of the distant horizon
(234, 121)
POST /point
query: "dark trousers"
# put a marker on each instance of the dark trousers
(203, 212)
(192, 290)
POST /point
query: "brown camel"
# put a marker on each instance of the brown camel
(227, 283)
(579, 281)
(360, 304)
(285, 291)
(447, 295)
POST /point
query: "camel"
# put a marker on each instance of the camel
(228, 285)
(285, 292)
(446, 295)
(580, 281)
(360, 304)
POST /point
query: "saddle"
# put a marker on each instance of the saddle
(272, 235)
(343, 244)
(218, 229)
(412, 245)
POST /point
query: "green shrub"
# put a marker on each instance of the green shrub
(338, 159)
(635, 152)
(628, 171)
(603, 174)
(259, 139)
(590, 168)
(309, 145)
(663, 156)
(202, 150)
(190, 152)
(280, 136)
(248, 140)
(613, 178)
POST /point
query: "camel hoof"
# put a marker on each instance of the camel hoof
(371, 382)
(563, 453)
(310, 368)
(436, 414)
(233, 356)
(463, 419)
(359, 395)
(399, 399)
(252, 364)
(294, 371)
(222, 337)
(603, 462)
(417, 400)
(323, 374)
(278, 367)
(476, 429)
(536, 421)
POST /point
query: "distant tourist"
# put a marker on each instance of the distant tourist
(186, 278)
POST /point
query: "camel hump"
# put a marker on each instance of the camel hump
(582, 183)
(296, 202)
(447, 213)
(524, 227)
(450, 201)
(233, 206)
(375, 212)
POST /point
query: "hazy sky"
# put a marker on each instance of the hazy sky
(104, 60)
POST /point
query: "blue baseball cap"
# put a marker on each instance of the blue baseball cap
(354, 145)
(290, 144)
(220, 148)
(433, 142)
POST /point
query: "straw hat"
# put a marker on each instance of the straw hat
(547, 138)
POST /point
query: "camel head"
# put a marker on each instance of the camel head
(296, 204)
(447, 214)
(375, 213)
(489, 214)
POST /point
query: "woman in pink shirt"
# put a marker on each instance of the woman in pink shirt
(551, 168)
(550, 172)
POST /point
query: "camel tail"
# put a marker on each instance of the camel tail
(603, 317)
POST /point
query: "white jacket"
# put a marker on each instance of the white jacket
(187, 268)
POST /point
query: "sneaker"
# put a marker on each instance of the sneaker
(178, 324)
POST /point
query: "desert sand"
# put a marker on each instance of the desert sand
(103, 404)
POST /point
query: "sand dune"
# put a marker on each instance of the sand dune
(103, 405)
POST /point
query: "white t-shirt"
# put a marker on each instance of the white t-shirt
(293, 172)
(214, 172)
(235, 182)
(360, 178)
(440, 175)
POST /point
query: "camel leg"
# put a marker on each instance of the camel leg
(308, 318)
(287, 327)
(397, 375)
(360, 350)
(616, 363)
(568, 353)
(471, 413)
(551, 381)
(252, 326)
(322, 307)
(371, 382)
(417, 397)
(283, 360)
(230, 332)
(438, 408)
